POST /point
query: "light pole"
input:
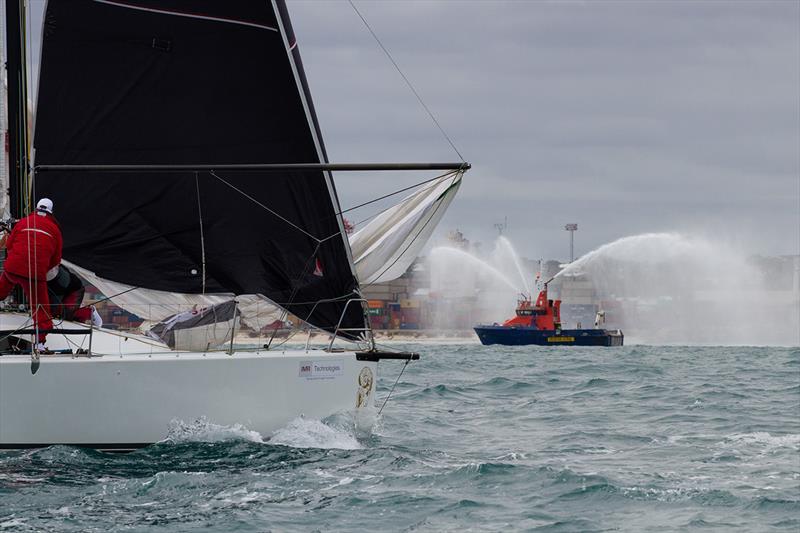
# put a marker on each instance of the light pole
(502, 226)
(571, 228)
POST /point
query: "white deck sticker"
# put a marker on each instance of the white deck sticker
(320, 370)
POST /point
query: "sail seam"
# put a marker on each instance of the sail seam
(186, 15)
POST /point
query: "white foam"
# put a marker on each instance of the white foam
(202, 430)
(511, 457)
(306, 433)
(768, 441)
(14, 522)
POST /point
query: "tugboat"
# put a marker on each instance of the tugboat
(541, 324)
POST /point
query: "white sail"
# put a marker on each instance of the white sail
(152, 305)
(385, 248)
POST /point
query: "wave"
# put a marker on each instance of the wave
(501, 383)
(443, 391)
(595, 382)
(307, 433)
(202, 430)
(766, 440)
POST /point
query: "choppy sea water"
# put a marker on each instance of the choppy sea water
(474, 438)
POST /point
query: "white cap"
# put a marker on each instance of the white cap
(46, 205)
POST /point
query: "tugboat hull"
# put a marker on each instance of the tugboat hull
(522, 336)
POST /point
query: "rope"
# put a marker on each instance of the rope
(391, 206)
(23, 326)
(202, 237)
(292, 224)
(385, 401)
(397, 192)
(410, 86)
(110, 297)
(294, 291)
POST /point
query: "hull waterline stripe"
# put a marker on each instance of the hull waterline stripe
(187, 15)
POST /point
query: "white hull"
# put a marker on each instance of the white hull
(129, 392)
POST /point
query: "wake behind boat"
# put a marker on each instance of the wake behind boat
(182, 151)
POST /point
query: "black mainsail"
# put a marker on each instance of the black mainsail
(201, 82)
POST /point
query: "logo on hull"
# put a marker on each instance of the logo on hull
(317, 370)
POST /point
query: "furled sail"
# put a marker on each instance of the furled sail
(385, 247)
(201, 82)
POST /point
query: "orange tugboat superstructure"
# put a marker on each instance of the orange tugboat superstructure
(546, 314)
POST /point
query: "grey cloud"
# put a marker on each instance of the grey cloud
(625, 117)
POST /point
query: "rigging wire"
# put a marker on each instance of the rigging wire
(109, 297)
(202, 236)
(391, 206)
(408, 82)
(295, 289)
(386, 400)
(385, 196)
(457, 172)
(249, 197)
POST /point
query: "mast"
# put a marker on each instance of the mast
(17, 109)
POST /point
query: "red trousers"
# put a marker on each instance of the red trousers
(36, 293)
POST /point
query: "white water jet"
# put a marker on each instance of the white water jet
(474, 262)
(505, 244)
(678, 289)
(468, 290)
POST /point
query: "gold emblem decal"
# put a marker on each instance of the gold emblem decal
(365, 382)
(560, 339)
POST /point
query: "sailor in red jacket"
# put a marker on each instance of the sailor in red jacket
(33, 248)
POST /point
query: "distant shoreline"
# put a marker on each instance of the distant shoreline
(381, 335)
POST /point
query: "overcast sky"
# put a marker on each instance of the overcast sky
(624, 117)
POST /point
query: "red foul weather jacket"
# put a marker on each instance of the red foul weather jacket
(38, 237)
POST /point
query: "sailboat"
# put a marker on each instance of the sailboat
(180, 145)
